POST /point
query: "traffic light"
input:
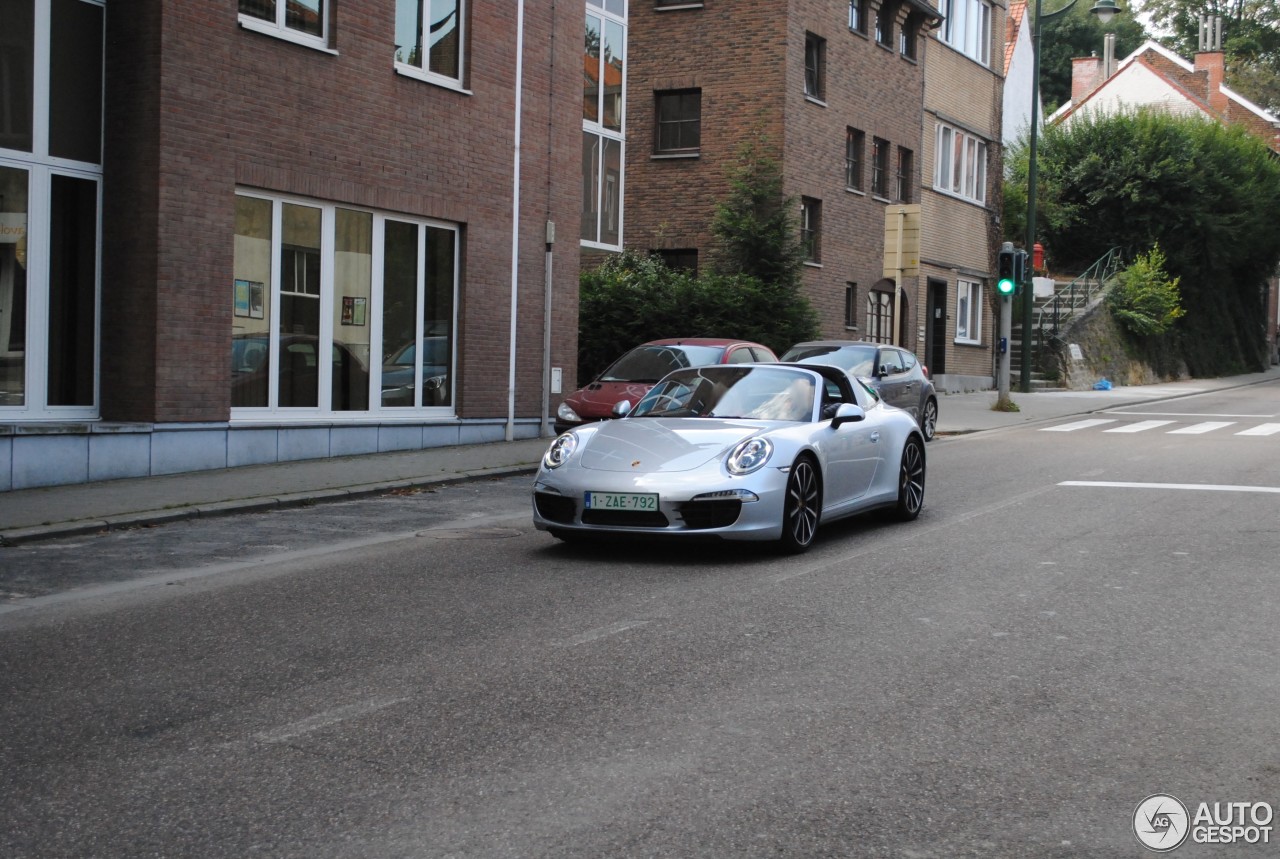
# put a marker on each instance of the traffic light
(1006, 271)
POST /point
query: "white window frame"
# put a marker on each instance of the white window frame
(279, 30)
(424, 73)
(960, 164)
(615, 217)
(324, 412)
(41, 167)
(968, 312)
(967, 28)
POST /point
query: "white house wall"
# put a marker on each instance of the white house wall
(1132, 87)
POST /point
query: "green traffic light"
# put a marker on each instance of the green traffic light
(1005, 286)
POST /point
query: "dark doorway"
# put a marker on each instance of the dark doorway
(935, 357)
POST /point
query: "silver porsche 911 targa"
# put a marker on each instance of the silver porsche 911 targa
(735, 451)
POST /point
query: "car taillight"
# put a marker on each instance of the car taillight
(927, 374)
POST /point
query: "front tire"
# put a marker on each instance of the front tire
(929, 419)
(911, 472)
(802, 508)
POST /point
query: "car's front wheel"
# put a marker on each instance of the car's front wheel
(802, 507)
(911, 472)
(929, 419)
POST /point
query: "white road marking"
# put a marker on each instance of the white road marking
(1261, 429)
(603, 632)
(1199, 429)
(324, 720)
(1140, 426)
(1092, 422)
(1210, 487)
(1181, 414)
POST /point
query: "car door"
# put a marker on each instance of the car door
(852, 453)
(890, 377)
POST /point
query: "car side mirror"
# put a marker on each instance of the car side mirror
(621, 409)
(848, 413)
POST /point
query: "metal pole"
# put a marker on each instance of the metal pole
(1028, 294)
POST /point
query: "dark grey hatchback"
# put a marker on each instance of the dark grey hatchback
(895, 374)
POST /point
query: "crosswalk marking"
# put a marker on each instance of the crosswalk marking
(1140, 426)
(1261, 429)
(1093, 422)
(1198, 429)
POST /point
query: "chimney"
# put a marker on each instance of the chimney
(1108, 55)
(1086, 74)
(1209, 59)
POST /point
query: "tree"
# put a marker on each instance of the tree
(1145, 300)
(756, 227)
(1203, 192)
(1080, 34)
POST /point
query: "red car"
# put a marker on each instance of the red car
(631, 376)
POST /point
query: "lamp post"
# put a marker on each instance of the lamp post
(1105, 10)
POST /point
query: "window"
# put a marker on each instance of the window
(811, 228)
(966, 26)
(969, 312)
(51, 96)
(604, 67)
(678, 259)
(850, 305)
(905, 168)
(304, 21)
(309, 344)
(679, 119)
(961, 164)
(884, 23)
(855, 142)
(431, 39)
(880, 168)
(858, 16)
(879, 316)
(908, 36)
(815, 58)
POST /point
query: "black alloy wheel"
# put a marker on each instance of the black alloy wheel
(802, 507)
(929, 419)
(910, 481)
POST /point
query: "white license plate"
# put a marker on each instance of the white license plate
(622, 501)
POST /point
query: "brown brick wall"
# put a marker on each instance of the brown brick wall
(221, 106)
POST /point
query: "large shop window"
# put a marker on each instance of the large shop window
(603, 122)
(50, 207)
(337, 310)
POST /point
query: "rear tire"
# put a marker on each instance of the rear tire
(929, 419)
(802, 508)
(911, 472)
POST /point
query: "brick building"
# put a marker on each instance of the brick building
(245, 232)
(960, 194)
(831, 89)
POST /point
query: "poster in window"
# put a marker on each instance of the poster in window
(242, 297)
(257, 299)
(354, 310)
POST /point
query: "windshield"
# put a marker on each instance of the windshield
(858, 360)
(754, 393)
(651, 363)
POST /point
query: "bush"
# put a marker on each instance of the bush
(632, 298)
(1145, 301)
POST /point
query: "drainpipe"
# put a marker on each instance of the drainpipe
(515, 227)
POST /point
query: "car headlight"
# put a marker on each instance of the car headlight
(565, 413)
(560, 451)
(749, 455)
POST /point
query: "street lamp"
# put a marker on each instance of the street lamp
(1105, 10)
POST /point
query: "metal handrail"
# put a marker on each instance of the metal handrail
(1065, 303)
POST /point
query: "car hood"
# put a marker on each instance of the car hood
(658, 445)
(598, 399)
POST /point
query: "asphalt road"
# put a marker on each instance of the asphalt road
(1074, 623)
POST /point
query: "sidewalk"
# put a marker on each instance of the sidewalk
(58, 511)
